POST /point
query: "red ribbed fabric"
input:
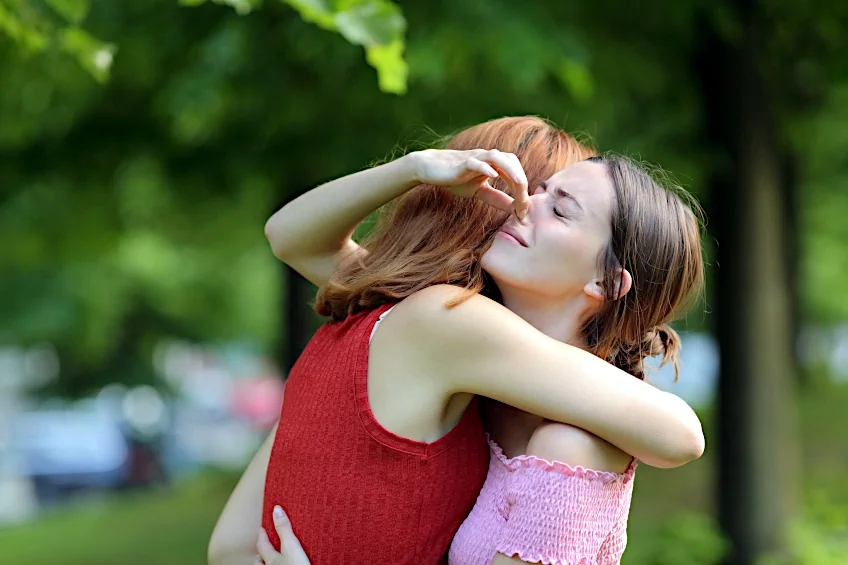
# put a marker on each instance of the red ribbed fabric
(355, 492)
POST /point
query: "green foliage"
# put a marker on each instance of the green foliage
(27, 35)
(240, 6)
(376, 25)
(683, 538)
(55, 24)
(74, 11)
(133, 210)
(820, 540)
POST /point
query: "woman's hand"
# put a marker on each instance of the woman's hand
(467, 174)
(291, 553)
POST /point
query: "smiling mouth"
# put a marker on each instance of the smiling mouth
(512, 236)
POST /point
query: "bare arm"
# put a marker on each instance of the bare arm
(483, 348)
(312, 233)
(233, 540)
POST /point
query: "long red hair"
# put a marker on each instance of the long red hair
(430, 237)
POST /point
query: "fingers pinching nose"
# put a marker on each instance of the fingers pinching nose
(521, 211)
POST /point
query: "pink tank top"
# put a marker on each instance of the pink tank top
(544, 512)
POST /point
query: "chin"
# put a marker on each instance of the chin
(497, 260)
(506, 280)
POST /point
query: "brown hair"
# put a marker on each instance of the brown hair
(430, 237)
(656, 237)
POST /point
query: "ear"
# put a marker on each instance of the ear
(624, 282)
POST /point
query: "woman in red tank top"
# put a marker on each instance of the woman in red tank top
(379, 453)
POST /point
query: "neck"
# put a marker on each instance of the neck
(561, 319)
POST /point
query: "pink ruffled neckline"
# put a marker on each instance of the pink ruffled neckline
(533, 462)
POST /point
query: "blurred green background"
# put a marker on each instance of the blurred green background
(145, 326)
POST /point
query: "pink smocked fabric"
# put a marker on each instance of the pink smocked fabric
(546, 512)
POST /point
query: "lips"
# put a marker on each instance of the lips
(514, 234)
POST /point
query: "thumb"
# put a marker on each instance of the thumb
(289, 544)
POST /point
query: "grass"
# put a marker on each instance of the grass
(165, 527)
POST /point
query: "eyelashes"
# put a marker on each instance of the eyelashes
(560, 214)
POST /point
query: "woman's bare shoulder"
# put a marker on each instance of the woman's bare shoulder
(449, 304)
(443, 319)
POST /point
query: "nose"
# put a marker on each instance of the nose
(534, 204)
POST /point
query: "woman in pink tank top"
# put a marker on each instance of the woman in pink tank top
(602, 258)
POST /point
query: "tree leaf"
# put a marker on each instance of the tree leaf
(392, 70)
(318, 12)
(93, 55)
(74, 11)
(241, 7)
(377, 25)
(27, 36)
(371, 23)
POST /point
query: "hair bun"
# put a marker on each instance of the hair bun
(663, 340)
(660, 340)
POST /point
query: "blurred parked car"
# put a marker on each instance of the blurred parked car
(65, 451)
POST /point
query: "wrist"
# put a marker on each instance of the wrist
(409, 169)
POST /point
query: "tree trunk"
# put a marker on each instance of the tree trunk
(757, 441)
(790, 179)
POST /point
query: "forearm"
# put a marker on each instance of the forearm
(233, 541)
(483, 348)
(653, 426)
(321, 222)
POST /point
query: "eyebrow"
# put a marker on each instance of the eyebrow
(559, 193)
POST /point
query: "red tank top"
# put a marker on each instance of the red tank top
(355, 492)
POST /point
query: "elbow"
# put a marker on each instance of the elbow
(687, 444)
(698, 442)
(678, 440)
(273, 233)
(677, 455)
(690, 448)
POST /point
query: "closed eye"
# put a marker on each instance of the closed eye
(560, 214)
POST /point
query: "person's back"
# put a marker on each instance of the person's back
(332, 461)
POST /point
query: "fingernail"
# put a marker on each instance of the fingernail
(278, 512)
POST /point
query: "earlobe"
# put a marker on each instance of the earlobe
(623, 283)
